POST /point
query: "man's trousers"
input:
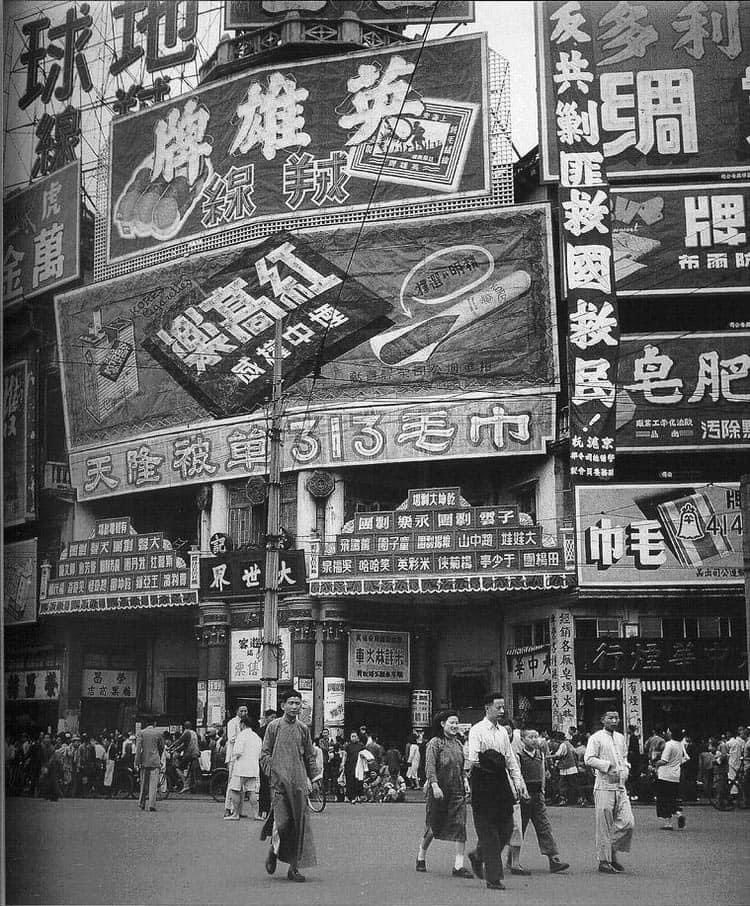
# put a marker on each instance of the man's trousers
(535, 810)
(149, 784)
(614, 823)
(493, 835)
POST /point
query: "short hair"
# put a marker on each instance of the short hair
(187, 725)
(527, 730)
(269, 711)
(289, 693)
(491, 696)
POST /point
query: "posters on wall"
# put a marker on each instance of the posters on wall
(335, 134)
(334, 693)
(246, 656)
(379, 656)
(672, 82)
(660, 534)
(304, 685)
(675, 240)
(20, 582)
(684, 391)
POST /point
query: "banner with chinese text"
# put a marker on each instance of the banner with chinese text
(661, 534)
(378, 656)
(32, 685)
(19, 449)
(641, 658)
(684, 391)
(632, 706)
(563, 671)
(593, 328)
(19, 580)
(240, 573)
(109, 683)
(674, 240)
(41, 235)
(334, 696)
(530, 666)
(334, 134)
(262, 13)
(674, 98)
(246, 656)
(421, 708)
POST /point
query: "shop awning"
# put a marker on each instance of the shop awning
(695, 685)
(585, 685)
(434, 585)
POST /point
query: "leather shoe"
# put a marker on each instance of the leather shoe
(294, 875)
(520, 870)
(476, 865)
(421, 865)
(556, 865)
(271, 862)
(462, 873)
(681, 821)
(617, 866)
(152, 809)
(606, 868)
(495, 885)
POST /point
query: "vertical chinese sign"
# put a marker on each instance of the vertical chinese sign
(588, 265)
(563, 671)
(632, 705)
(19, 428)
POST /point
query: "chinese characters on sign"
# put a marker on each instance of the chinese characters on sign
(118, 569)
(421, 708)
(684, 391)
(632, 706)
(379, 656)
(672, 80)
(243, 573)
(643, 658)
(19, 581)
(221, 347)
(109, 684)
(659, 535)
(593, 323)
(260, 13)
(40, 684)
(334, 689)
(563, 670)
(672, 240)
(531, 667)
(19, 428)
(437, 533)
(302, 137)
(246, 656)
(41, 235)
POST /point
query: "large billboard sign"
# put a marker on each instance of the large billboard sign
(672, 77)
(672, 240)
(330, 135)
(684, 392)
(262, 13)
(470, 301)
(19, 449)
(41, 232)
(631, 536)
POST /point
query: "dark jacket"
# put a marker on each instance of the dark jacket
(491, 792)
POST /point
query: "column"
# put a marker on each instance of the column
(334, 628)
(213, 634)
(422, 675)
(219, 511)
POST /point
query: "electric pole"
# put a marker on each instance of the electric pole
(271, 642)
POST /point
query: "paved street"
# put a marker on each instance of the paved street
(82, 851)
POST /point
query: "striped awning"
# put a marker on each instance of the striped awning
(525, 649)
(695, 685)
(611, 685)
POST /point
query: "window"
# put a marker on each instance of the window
(673, 627)
(708, 627)
(607, 627)
(523, 635)
(585, 628)
(691, 628)
(650, 627)
(525, 496)
(541, 632)
(468, 689)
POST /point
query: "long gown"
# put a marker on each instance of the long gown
(446, 817)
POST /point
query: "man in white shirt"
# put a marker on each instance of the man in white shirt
(607, 753)
(496, 785)
(233, 729)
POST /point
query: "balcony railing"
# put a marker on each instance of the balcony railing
(305, 35)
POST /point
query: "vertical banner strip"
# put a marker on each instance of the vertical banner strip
(587, 258)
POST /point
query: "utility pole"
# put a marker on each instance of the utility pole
(269, 677)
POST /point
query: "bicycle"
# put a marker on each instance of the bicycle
(217, 785)
(316, 798)
(170, 781)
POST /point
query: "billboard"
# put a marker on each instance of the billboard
(471, 300)
(672, 80)
(255, 14)
(631, 536)
(378, 656)
(682, 391)
(673, 240)
(41, 235)
(20, 582)
(19, 431)
(331, 135)
(237, 574)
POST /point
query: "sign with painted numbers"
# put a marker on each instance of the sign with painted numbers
(673, 85)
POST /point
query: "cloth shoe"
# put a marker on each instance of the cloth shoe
(462, 873)
(294, 875)
(616, 865)
(476, 865)
(270, 863)
(421, 865)
(606, 868)
(681, 821)
(556, 865)
(495, 885)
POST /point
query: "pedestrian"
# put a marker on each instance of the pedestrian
(496, 785)
(413, 760)
(233, 729)
(188, 749)
(746, 767)
(49, 786)
(634, 759)
(264, 796)
(721, 775)
(288, 758)
(447, 789)
(149, 746)
(349, 761)
(606, 753)
(110, 758)
(533, 769)
(567, 767)
(392, 760)
(245, 777)
(672, 757)
(88, 765)
(735, 748)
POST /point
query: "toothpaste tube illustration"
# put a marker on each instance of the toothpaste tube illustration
(413, 344)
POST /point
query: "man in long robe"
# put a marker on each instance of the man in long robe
(288, 759)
